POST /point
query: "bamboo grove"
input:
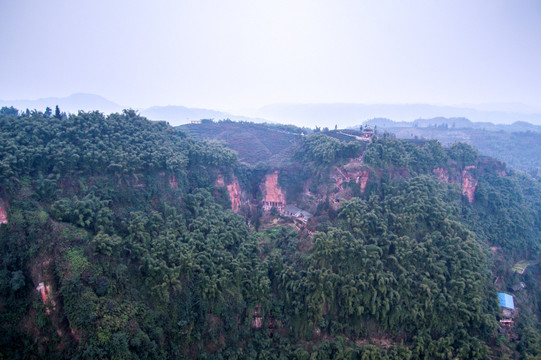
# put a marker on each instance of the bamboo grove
(123, 219)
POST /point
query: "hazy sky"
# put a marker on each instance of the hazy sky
(234, 55)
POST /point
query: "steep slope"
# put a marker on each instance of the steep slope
(109, 228)
(264, 143)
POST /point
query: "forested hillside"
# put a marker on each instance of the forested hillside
(517, 144)
(256, 143)
(119, 242)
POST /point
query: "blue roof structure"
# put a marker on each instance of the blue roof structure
(506, 301)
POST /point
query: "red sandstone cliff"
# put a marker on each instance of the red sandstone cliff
(469, 176)
(220, 180)
(467, 179)
(469, 182)
(234, 192)
(363, 179)
(352, 171)
(234, 195)
(3, 213)
(360, 176)
(442, 174)
(173, 182)
(273, 195)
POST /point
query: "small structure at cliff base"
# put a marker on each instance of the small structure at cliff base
(518, 286)
(507, 306)
(297, 213)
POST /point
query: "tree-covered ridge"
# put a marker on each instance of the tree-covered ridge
(90, 143)
(326, 150)
(141, 258)
(91, 196)
(512, 206)
(389, 153)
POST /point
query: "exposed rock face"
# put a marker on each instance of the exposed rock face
(257, 321)
(220, 180)
(3, 213)
(469, 183)
(363, 179)
(273, 196)
(442, 174)
(234, 191)
(234, 195)
(173, 182)
(359, 176)
(468, 177)
(352, 171)
(45, 291)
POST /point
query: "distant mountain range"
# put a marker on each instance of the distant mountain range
(70, 104)
(175, 115)
(345, 115)
(451, 124)
(178, 115)
(307, 115)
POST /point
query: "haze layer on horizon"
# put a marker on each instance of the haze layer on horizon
(238, 55)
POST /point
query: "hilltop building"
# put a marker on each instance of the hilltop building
(368, 133)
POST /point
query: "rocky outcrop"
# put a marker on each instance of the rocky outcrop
(273, 195)
(363, 179)
(234, 195)
(42, 274)
(3, 213)
(360, 176)
(467, 178)
(220, 181)
(45, 292)
(173, 183)
(442, 174)
(469, 182)
(352, 171)
(233, 190)
(257, 319)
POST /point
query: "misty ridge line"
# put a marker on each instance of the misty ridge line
(486, 116)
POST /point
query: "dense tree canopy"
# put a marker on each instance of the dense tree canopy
(122, 222)
(325, 150)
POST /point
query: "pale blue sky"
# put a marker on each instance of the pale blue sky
(236, 55)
